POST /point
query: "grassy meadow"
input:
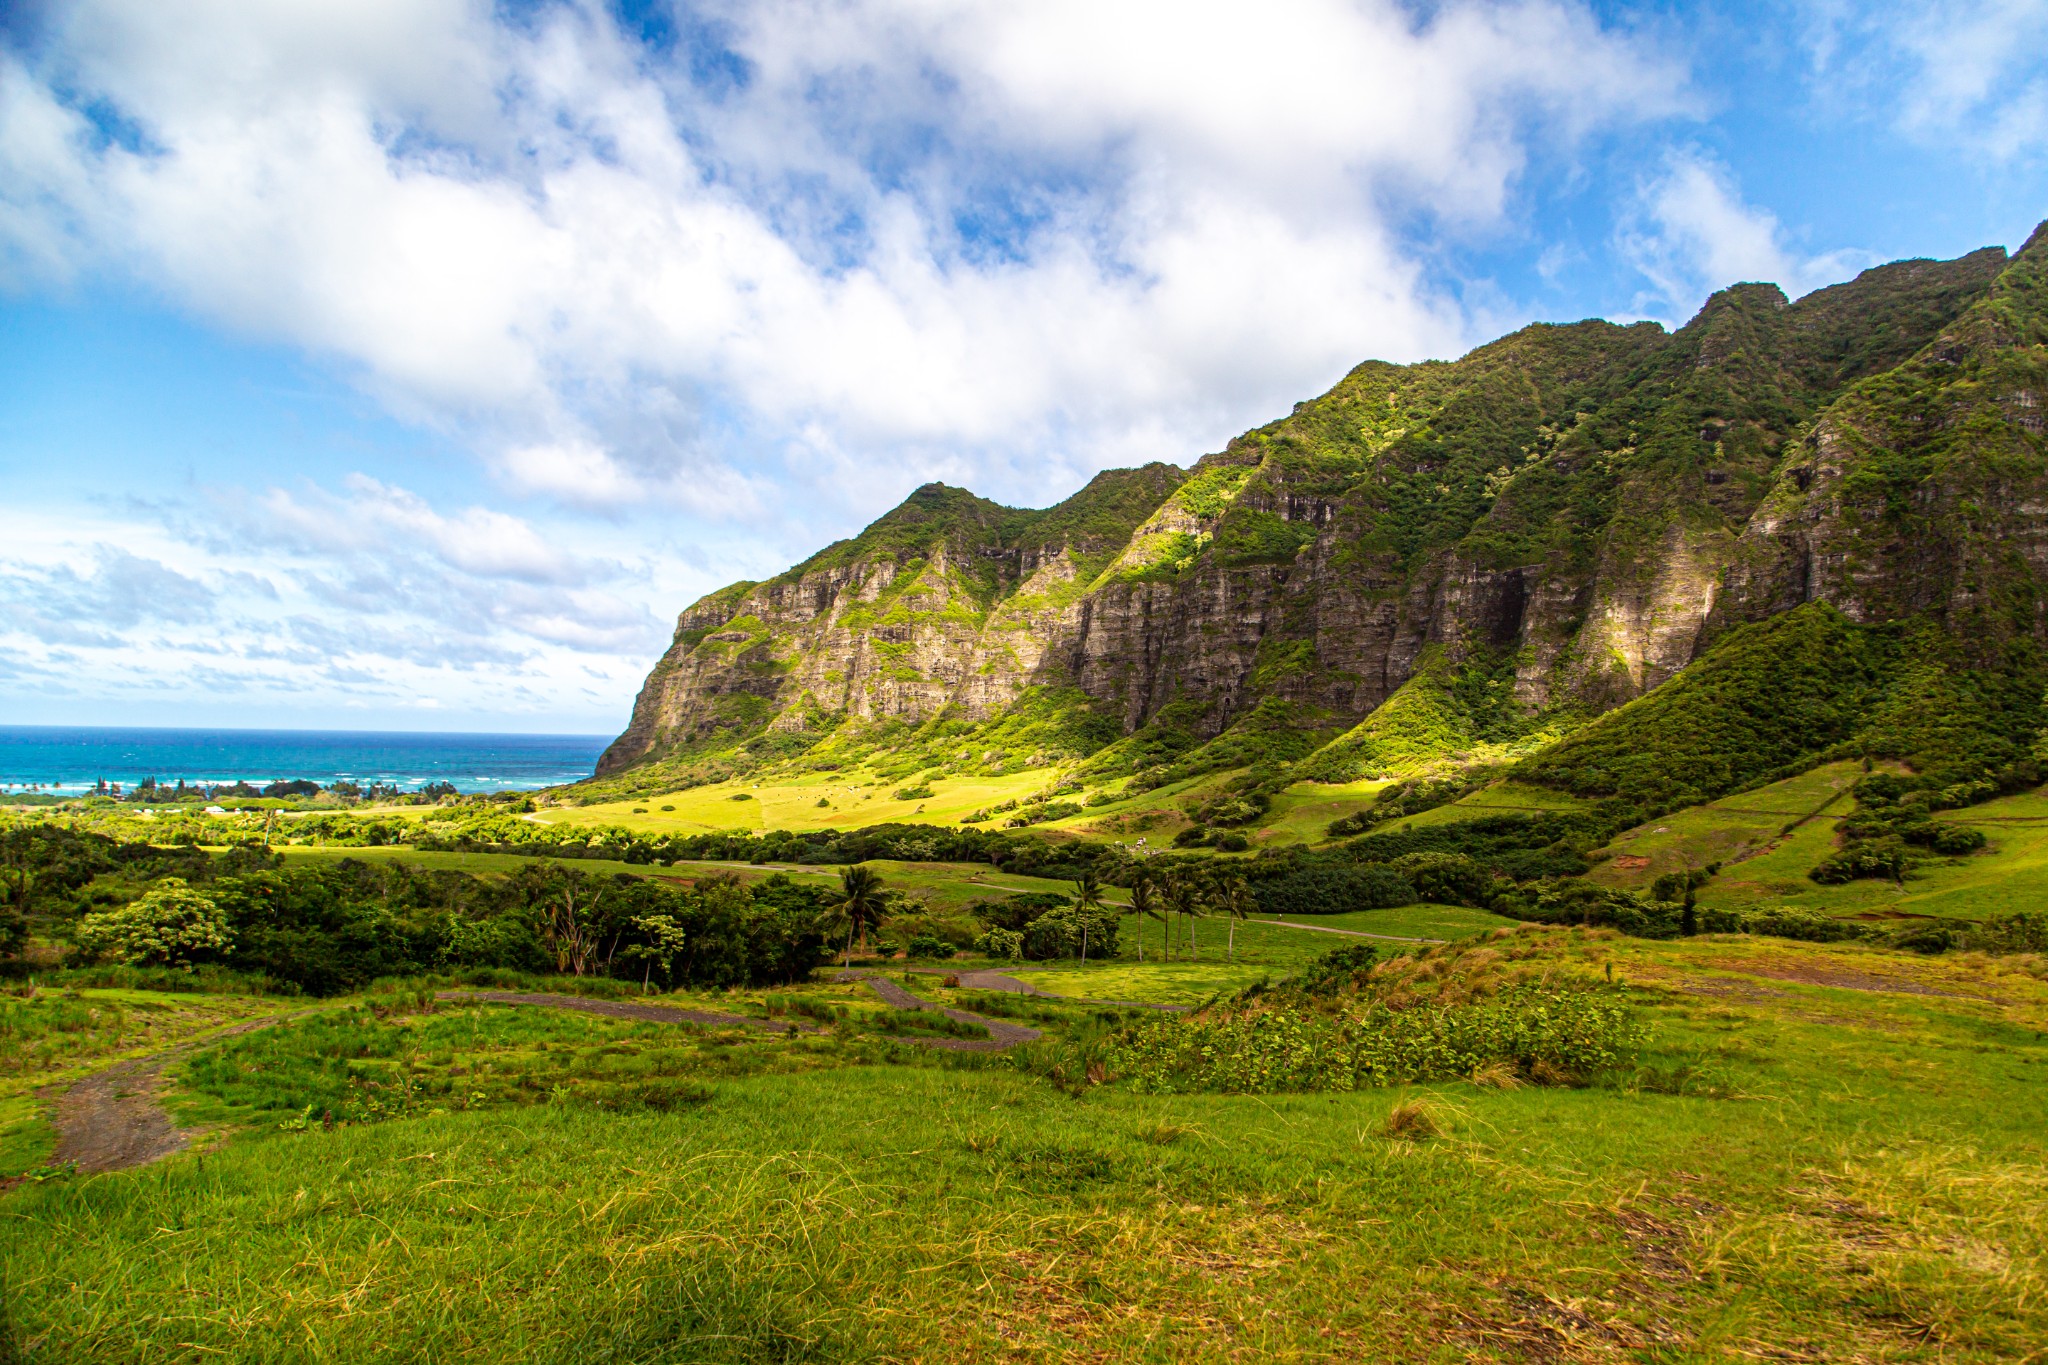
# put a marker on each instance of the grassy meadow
(833, 801)
(1768, 839)
(1820, 1153)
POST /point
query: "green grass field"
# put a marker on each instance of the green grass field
(1502, 798)
(1746, 833)
(1424, 921)
(1763, 864)
(851, 801)
(1825, 1153)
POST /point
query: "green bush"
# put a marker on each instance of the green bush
(2026, 932)
(170, 925)
(1067, 932)
(1404, 799)
(1810, 926)
(1003, 944)
(1544, 1035)
(1885, 858)
(1448, 878)
(1927, 938)
(1522, 847)
(1338, 970)
(1333, 889)
(930, 945)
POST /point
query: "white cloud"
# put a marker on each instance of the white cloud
(312, 598)
(1693, 233)
(960, 237)
(1945, 70)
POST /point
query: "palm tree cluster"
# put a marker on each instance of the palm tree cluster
(1177, 897)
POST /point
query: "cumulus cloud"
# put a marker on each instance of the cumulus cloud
(1692, 233)
(967, 237)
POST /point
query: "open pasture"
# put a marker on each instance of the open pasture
(1820, 1153)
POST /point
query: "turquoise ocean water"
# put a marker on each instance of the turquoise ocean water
(71, 759)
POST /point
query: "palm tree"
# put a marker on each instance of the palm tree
(1180, 901)
(1087, 898)
(861, 903)
(1236, 901)
(1199, 893)
(1141, 906)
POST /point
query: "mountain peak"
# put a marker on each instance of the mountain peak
(1573, 511)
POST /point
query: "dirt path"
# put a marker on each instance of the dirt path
(621, 1009)
(1348, 933)
(1000, 1034)
(112, 1119)
(1844, 979)
(986, 980)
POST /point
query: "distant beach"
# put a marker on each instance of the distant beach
(70, 760)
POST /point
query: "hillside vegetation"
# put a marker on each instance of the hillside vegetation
(1534, 857)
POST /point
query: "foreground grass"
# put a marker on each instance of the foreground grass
(1799, 1170)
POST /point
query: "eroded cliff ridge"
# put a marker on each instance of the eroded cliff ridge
(1502, 546)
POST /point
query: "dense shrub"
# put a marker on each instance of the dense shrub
(1519, 847)
(1005, 944)
(1884, 857)
(325, 928)
(1332, 889)
(1015, 912)
(1448, 878)
(1542, 1034)
(1404, 799)
(1068, 932)
(170, 925)
(1927, 938)
(1785, 921)
(2026, 932)
(1337, 970)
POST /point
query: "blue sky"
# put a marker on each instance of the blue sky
(410, 363)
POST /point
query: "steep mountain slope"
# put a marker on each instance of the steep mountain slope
(1548, 527)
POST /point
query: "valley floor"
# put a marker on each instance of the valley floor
(1826, 1153)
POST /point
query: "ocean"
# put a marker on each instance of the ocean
(68, 759)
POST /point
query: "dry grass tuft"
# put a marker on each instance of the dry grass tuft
(1497, 1076)
(1411, 1121)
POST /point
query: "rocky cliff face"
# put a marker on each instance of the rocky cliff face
(1579, 509)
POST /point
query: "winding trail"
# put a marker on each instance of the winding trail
(987, 980)
(1347, 933)
(1001, 1035)
(112, 1119)
(621, 1009)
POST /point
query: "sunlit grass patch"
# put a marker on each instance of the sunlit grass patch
(1166, 983)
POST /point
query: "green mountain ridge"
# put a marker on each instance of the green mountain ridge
(1459, 561)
